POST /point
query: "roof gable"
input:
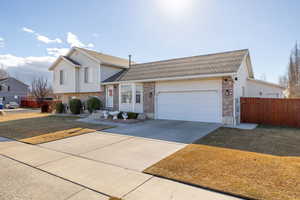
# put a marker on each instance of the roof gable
(104, 58)
(65, 59)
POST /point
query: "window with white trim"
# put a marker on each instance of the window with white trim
(126, 93)
(61, 77)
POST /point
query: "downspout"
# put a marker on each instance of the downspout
(234, 99)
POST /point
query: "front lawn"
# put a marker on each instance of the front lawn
(36, 128)
(238, 169)
(281, 141)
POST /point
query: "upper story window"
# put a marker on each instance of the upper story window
(126, 93)
(61, 77)
(86, 74)
(8, 88)
(0, 87)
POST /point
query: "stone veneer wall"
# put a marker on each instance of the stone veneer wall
(149, 98)
(227, 100)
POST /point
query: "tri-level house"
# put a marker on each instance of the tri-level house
(203, 88)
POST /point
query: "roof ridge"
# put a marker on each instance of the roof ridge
(188, 57)
(85, 49)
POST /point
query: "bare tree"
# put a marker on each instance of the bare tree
(293, 75)
(3, 73)
(40, 88)
(283, 81)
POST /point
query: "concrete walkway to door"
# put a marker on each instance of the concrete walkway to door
(168, 130)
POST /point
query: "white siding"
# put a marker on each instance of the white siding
(94, 72)
(257, 89)
(242, 81)
(69, 78)
(108, 71)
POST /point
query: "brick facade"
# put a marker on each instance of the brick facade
(149, 98)
(227, 100)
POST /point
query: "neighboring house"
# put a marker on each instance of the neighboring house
(200, 88)
(12, 90)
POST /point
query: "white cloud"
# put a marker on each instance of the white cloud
(57, 51)
(8, 60)
(27, 68)
(46, 40)
(73, 40)
(28, 30)
(2, 42)
(42, 38)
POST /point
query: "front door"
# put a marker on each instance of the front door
(109, 96)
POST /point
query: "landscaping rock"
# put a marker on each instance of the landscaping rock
(141, 116)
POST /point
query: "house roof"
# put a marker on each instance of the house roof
(66, 59)
(4, 79)
(115, 76)
(106, 59)
(218, 63)
(96, 56)
(72, 61)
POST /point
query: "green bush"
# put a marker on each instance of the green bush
(132, 115)
(75, 106)
(60, 108)
(93, 104)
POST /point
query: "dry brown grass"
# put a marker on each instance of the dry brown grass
(57, 135)
(253, 175)
(17, 116)
(114, 198)
(280, 141)
(36, 128)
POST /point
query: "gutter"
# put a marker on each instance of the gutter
(173, 78)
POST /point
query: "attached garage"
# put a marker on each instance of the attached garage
(189, 100)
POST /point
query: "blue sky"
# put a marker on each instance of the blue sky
(148, 29)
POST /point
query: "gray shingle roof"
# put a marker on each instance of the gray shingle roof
(225, 62)
(106, 58)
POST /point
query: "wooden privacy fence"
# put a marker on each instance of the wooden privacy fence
(271, 111)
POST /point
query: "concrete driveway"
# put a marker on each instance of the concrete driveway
(98, 165)
(167, 130)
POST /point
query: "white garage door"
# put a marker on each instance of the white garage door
(203, 106)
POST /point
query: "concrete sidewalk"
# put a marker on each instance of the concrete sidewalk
(19, 181)
(80, 177)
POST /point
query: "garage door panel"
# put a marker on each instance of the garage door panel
(190, 106)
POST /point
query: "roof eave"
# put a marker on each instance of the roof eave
(58, 60)
(115, 65)
(173, 78)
